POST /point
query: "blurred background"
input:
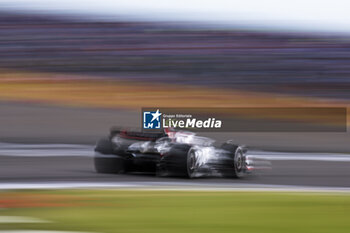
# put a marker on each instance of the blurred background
(69, 70)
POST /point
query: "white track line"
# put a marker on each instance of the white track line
(38, 231)
(67, 185)
(45, 150)
(41, 146)
(181, 186)
(20, 219)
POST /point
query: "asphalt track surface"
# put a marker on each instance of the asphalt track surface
(45, 163)
(80, 169)
(32, 124)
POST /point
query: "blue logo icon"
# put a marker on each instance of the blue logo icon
(151, 120)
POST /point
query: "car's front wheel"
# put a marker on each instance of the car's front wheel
(236, 163)
(239, 163)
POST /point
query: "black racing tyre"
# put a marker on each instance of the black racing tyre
(237, 161)
(107, 162)
(104, 146)
(174, 162)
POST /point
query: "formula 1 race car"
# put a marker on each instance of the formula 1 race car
(170, 153)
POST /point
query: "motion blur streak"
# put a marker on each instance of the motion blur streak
(281, 63)
(39, 231)
(20, 219)
(69, 70)
(45, 150)
(64, 150)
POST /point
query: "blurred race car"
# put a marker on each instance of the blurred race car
(170, 153)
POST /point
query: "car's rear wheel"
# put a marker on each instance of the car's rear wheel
(175, 162)
(107, 162)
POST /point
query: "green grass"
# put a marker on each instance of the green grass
(178, 211)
